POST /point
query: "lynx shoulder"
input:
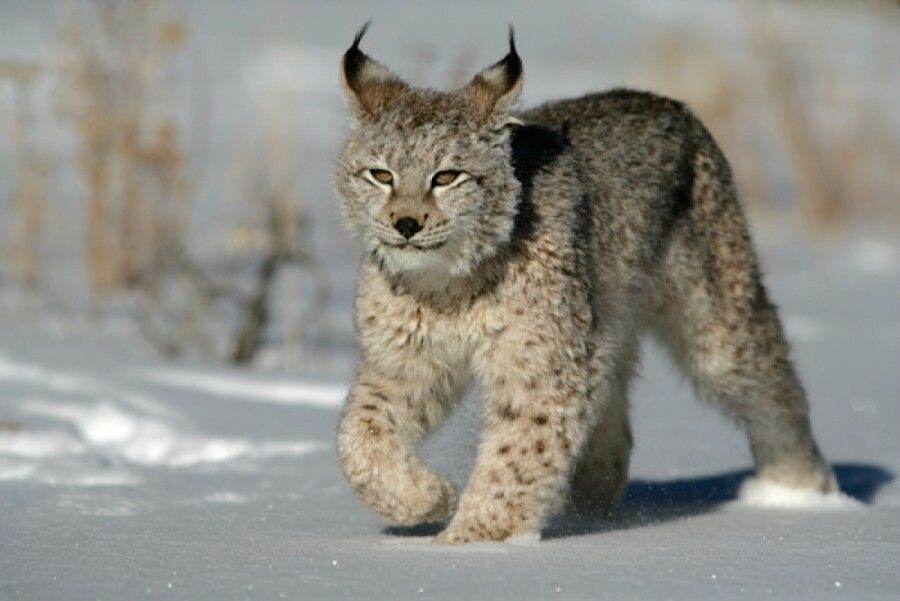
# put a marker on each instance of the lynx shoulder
(530, 251)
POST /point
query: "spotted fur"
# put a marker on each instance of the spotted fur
(582, 225)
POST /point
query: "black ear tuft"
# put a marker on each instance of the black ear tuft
(369, 86)
(496, 89)
(513, 60)
(359, 35)
(354, 58)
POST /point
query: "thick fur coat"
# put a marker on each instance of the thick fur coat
(530, 251)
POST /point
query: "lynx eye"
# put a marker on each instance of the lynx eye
(382, 176)
(444, 178)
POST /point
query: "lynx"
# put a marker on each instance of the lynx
(530, 251)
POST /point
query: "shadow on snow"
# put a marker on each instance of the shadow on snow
(648, 501)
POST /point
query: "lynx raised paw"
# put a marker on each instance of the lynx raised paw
(415, 499)
(376, 451)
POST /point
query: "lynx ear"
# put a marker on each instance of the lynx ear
(369, 86)
(496, 89)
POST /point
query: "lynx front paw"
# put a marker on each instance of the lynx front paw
(408, 500)
(456, 534)
(486, 521)
(430, 499)
(378, 459)
(451, 537)
(459, 533)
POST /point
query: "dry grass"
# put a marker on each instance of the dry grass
(772, 106)
(123, 96)
(127, 94)
(276, 225)
(116, 87)
(821, 190)
(33, 174)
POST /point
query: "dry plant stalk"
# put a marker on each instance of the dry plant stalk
(264, 180)
(821, 191)
(32, 170)
(116, 61)
(688, 70)
(840, 166)
(267, 177)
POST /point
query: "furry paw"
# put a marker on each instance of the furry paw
(434, 503)
(417, 500)
(478, 530)
(817, 477)
(386, 474)
(767, 494)
(595, 505)
(458, 536)
(453, 535)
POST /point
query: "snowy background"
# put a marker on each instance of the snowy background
(137, 461)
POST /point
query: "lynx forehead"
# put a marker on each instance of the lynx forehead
(423, 179)
(530, 251)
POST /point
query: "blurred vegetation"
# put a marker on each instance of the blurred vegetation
(123, 88)
(134, 102)
(791, 98)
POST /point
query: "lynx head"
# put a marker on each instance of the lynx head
(426, 179)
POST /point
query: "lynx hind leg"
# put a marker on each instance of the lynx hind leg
(743, 367)
(378, 436)
(602, 470)
(722, 328)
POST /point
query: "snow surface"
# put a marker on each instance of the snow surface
(759, 493)
(260, 390)
(123, 477)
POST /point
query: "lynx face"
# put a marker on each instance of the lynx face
(425, 179)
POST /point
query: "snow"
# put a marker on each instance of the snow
(117, 433)
(85, 420)
(256, 390)
(803, 327)
(759, 493)
(16, 472)
(13, 371)
(121, 474)
(224, 497)
(875, 256)
(40, 444)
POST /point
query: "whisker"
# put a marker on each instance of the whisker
(438, 230)
(429, 239)
(430, 246)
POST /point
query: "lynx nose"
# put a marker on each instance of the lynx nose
(407, 226)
